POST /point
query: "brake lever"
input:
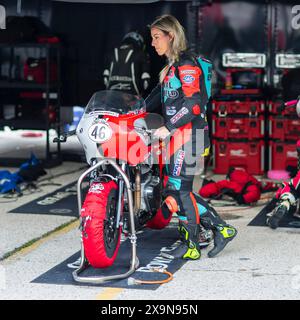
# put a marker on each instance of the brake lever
(63, 138)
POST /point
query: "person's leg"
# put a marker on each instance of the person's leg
(180, 200)
(184, 161)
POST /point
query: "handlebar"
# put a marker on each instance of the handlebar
(149, 133)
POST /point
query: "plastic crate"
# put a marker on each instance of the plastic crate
(284, 128)
(238, 154)
(250, 108)
(238, 127)
(282, 154)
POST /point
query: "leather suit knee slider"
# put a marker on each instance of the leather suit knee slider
(172, 205)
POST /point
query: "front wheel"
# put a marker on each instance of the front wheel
(100, 235)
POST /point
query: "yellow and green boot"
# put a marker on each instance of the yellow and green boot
(223, 234)
(189, 248)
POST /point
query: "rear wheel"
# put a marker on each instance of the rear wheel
(101, 236)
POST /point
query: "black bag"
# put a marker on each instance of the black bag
(32, 172)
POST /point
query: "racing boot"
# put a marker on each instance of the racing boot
(222, 235)
(189, 248)
(276, 216)
(223, 232)
(287, 202)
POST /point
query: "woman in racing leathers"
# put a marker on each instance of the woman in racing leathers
(183, 96)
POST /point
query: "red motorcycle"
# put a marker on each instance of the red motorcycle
(125, 179)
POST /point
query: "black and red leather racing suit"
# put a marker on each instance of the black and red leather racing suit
(183, 97)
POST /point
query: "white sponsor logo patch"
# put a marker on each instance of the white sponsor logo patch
(178, 163)
(179, 115)
(171, 110)
(188, 72)
(172, 94)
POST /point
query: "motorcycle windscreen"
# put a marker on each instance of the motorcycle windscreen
(115, 102)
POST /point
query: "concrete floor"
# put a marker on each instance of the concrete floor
(259, 264)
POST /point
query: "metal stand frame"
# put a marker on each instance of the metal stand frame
(134, 259)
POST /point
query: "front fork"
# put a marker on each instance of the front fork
(120, 197)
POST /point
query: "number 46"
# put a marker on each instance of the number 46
(98, 132)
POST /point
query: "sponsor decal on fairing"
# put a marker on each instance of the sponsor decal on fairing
(104, 113)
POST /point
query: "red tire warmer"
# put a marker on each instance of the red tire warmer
(163, 216)
(159, 221)
(93, 214)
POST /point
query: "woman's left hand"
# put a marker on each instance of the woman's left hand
(161, 133)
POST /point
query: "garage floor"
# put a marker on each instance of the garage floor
(259, 264)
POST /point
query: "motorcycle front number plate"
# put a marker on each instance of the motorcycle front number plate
(100, 132)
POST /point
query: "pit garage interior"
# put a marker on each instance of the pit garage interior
(52, 58)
